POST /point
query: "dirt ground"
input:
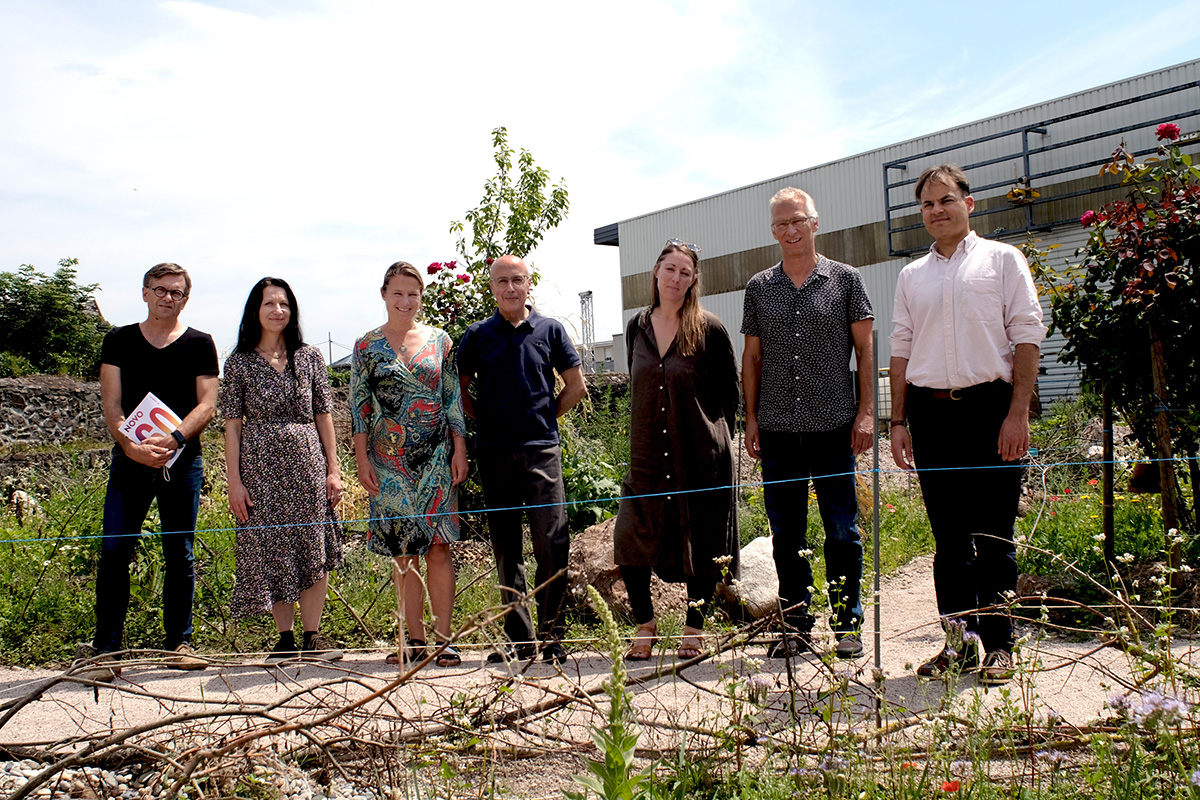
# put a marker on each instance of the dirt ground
(534, 755)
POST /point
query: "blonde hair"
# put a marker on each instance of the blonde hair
(402, 268)
(691, 316)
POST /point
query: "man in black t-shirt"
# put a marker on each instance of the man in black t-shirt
(179, 365)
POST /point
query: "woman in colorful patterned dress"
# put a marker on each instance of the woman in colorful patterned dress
(282, 468)
(410, 449)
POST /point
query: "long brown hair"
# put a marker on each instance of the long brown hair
(691, 316)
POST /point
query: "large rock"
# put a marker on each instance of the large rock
(757, 587)
(592, 564)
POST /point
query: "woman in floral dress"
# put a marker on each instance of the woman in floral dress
(282, 468)
(410, 449)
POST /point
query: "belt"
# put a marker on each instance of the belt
(964, 392)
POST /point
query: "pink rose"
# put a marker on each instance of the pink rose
(1168, 131)
(1088, 218)
(463, 277)
(434, 268)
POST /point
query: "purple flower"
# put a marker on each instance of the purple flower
(1168, 131)
(1196, 778)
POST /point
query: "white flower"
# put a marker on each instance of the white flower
(1125, 558)
(1099, 537)
(804, 553)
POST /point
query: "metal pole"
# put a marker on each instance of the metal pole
(329, 338)
(1106, 422)
(875, 493)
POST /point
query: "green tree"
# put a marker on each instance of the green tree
(518, 208)
(49, 323)
(1130, 306)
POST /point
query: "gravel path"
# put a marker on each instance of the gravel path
(1072, 678)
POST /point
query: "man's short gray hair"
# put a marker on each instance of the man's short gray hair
(792, 193)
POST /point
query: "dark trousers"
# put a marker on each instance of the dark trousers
(131, 488)
(828, 458)
(637, 584)
(528, 481)
(971, 497)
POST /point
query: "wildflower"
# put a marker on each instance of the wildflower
(1088, 218)
(831, 764)
(908, 765)
(1119, 703)
(950, 786)
(1052, 717)
(1125, 558)
(434, 268)
(1093, 482)
(1099, 537)
(1196, 778)
(1053, 513)
(1067, 490)
(758, 686)
(723, 561)
(1053, 498)
(890, 507)
(695, 603)
(804, 553)
(1168, 131)
(1157, 709)
(1055, 758)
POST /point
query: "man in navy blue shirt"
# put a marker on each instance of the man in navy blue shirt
(511, 358)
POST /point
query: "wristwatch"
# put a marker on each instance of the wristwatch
(179, 438)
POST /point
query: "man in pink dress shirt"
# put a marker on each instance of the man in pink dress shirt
(966, 329)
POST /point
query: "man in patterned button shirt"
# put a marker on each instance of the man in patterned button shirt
(802, 317)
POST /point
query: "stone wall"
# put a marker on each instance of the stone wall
(49, 410)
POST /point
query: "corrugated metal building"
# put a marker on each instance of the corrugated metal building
(869, 218)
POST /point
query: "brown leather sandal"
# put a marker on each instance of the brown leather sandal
(690, 645)
(643, 642)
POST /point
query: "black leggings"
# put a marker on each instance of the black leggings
(637, 584)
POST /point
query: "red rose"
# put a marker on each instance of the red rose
(463, 277)
(1088, 218)
(950, 786)
(1168, 131)
(434, 268)
(451, 264)
(488, 261)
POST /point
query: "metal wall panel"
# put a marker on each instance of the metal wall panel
(849, 193)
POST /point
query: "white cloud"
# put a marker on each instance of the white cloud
(322, 141)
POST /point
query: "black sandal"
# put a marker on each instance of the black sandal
(448, 657)
(414, 652)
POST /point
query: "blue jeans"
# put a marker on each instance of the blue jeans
(131, 488)
(795, 458)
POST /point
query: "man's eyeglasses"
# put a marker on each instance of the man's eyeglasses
(162, 291)
(780, 227)
(516, 281)
(677, 243)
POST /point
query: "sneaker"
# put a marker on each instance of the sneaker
(320, 647)
(790, 646)
(93, 665)
(849, 645)
(506, 652)
(948, 660)
(554, 653)
(997, 668)
(184, 657)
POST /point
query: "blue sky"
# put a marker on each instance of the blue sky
(320, 142)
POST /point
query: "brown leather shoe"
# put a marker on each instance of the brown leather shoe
(950, 660)
(997, 668)
(184, 657)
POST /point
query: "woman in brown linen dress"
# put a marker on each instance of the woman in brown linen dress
(282, 467)
(684, 399)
